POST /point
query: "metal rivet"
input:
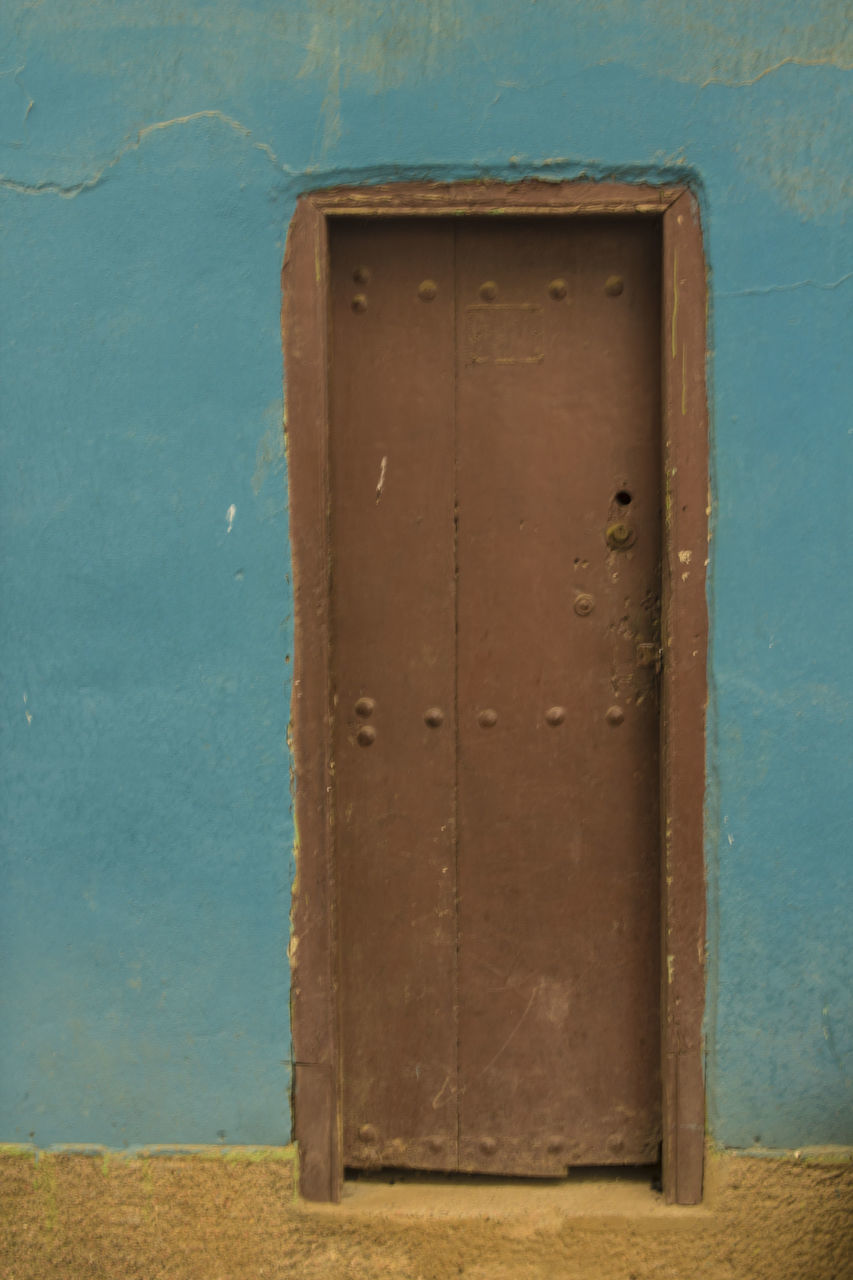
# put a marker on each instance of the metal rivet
(620, 536)
(584, 605)
(361, 275)
(367, 1133)
(359, 303)
(427, 290)
(487, 719)
(436, 1144)
(558, 289)
(365, 707)
(488, 290)
(614, 715)
(615, 1143)
(613, 286)
(488, 1146)
(366, 735)
(434, 716)
(555, 1145)
(555, 715)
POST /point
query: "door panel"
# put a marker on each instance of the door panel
(495, 420)
(558, 727)
(393, 630)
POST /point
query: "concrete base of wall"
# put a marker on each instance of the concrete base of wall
(226, 1215)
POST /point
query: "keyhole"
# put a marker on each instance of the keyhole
(623, 497)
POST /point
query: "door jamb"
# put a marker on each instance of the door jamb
(305, 333)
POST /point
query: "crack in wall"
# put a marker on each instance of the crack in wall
(791, 61)
(71, 190)
(760, 290)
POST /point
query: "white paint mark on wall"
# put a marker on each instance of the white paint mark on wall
(685, 556)
(229, 516)
(27, 712)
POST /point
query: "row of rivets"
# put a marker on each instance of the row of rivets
(365, 707)
(554, 716)
(487, 719)
(428, 289)
(557, 289)
(368, 1134)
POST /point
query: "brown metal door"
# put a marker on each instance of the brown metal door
(495, 532)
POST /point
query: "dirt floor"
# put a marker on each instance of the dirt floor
(235, 1214)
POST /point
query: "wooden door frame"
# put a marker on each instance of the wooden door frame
(313, 950)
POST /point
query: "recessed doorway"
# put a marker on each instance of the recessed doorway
(497, 718)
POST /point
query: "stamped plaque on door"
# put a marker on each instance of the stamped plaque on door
(504, 334)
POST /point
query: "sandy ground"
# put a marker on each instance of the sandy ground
(236, 1215)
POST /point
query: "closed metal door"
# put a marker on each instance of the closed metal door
(495, 531)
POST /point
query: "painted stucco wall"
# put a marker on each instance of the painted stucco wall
(152, 153)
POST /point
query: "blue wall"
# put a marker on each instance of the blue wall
(152, 154)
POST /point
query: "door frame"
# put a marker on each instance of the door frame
(684, 631)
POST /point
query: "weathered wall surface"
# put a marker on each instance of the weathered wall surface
(151, 156)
